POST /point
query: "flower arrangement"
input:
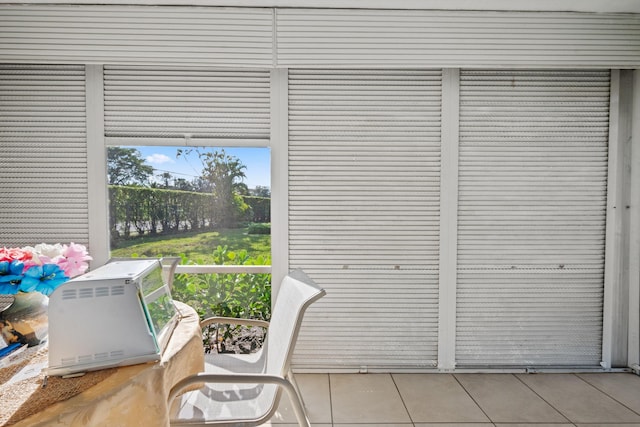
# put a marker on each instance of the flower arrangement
(41, 268)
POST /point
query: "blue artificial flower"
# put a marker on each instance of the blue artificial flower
(7, 288)
(10, 276)
(43, 278)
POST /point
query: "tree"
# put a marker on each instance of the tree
(183, 185)
(261, 191)
(125, 166)
(166, 176)
(225, 174)
(201, 185)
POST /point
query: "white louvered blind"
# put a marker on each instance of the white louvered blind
(173, 103)
(120, 34)
(43, 155)
(455, 39)
(531, 222)
(364, 182)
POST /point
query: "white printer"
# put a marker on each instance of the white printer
(118, 314)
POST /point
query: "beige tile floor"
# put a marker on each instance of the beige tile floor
(467, 400)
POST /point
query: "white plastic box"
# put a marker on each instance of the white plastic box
(118, 314)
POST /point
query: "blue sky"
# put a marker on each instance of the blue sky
(163, 159)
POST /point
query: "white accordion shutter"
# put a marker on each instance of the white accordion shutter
(455, 38)
(127, 34)
(170, 104)
(43, 155)
(364, 183)
(531, 221)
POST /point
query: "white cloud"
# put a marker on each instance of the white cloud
(159, 159)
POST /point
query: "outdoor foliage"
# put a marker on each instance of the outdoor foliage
(153, 211)
(229, 295)
(125, 166)
(261, 191)
(146, 217)
(225, 174)
(260, 208)
(259, 228)
(216, 199)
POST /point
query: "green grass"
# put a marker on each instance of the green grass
(197, 247)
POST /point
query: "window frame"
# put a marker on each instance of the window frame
(97, 144)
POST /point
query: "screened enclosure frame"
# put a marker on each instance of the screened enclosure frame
(277, 41)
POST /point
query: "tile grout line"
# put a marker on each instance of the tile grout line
(543, 399)
(471, 397)
(606, 394)
(413, 423)
(330, 399)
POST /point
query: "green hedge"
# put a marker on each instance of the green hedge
(152, 211)
(144, 210)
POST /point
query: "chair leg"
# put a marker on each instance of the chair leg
(293, 381)
(296, 401)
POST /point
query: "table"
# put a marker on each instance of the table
(127, 396)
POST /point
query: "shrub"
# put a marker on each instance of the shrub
(228, 295)
(261, 208)
(256, 228)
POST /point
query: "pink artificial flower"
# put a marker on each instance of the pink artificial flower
(73, 260)
(14, 254)
(40, 260)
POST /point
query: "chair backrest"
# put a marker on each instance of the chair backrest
(296, 293)
(169, 265)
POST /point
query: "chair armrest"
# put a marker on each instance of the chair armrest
(200, 378)
(228, 379)
(234, 321)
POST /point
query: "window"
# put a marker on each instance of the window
(206, 206)
(199, 198)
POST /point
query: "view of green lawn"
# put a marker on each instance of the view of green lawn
(197, 247)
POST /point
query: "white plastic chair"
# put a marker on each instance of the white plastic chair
(244, 390)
